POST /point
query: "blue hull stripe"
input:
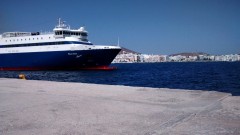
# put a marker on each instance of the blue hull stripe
(59, 59)
(43, 44)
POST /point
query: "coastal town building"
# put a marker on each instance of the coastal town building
(129, 56)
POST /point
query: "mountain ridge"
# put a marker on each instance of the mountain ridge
(190, 54)
(126, 50)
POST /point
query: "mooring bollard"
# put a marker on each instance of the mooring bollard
(22, 76)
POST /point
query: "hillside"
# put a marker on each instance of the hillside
(125, 50)
(190, 54)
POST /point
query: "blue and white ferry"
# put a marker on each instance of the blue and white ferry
(62, 49)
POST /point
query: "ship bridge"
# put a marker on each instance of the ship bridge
(62, 30)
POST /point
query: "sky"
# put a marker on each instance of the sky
(145, 26)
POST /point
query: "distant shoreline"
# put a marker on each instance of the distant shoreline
(175, 62)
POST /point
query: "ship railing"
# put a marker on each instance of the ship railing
(15, 34)
(46, 33)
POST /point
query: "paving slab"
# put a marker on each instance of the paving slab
(31, 107)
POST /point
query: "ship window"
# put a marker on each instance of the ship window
(83, 34)
(10, 40)
(29, 38)
(5, 40)
(21, 39)
(49, 37)
(60, 32)
(25, 39)
(33, 38)
(37, 38)
(17, 39)
(41, 37)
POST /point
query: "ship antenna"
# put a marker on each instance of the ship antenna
(118, 41)
(59, 21)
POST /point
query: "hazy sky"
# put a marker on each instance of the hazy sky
(145, 26)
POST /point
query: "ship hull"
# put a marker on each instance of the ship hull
(98, 59)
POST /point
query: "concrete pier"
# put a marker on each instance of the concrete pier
(29, 107)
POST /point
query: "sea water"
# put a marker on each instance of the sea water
(217, 76)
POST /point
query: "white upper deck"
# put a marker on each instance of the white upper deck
(61, 32)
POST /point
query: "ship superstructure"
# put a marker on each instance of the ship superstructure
(62, 49)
